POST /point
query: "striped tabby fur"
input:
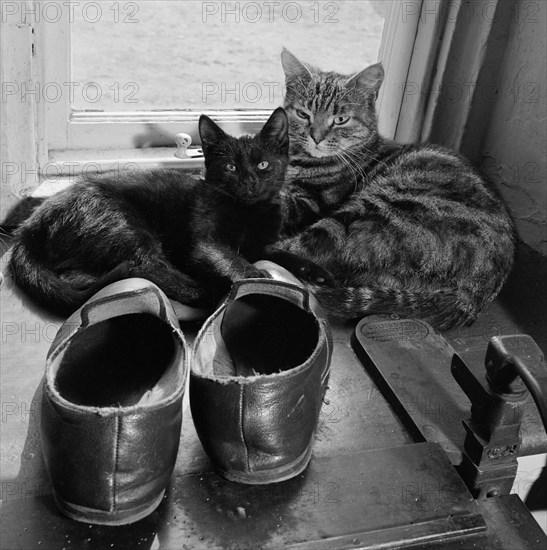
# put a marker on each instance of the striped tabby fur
(406, 229)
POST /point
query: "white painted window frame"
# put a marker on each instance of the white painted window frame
(69, 131)
(418, 49)
(427, 47)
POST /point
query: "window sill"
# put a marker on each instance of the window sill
(68, 163)
(65, 166)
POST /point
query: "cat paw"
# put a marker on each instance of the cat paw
(323, 236)
(316, 238)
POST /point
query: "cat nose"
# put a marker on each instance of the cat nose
(317, 135)
(250, 183)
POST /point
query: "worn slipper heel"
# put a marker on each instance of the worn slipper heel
(112, 404)
(259, 371)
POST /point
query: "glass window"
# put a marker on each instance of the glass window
(201, 55)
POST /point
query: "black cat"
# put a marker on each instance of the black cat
(190, 237)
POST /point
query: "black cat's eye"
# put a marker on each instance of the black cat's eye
(302, 114)
(263, 165)
(339, 120)
(231, 167)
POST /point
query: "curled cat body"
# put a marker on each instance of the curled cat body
(190, 237)
(412, 230)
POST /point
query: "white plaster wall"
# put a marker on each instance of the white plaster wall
(18, 133)
(514, 147)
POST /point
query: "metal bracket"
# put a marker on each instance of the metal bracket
(498, 399)
(482, 424)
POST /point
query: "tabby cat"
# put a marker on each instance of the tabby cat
(406, 229)
(192, 238)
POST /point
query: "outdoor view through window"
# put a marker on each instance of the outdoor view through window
(186, 54)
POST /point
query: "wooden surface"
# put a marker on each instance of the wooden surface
(355, 418)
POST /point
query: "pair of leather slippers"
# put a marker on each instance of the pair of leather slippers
(117, 372)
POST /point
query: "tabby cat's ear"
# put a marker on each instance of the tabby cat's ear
(209, 132)
(293, 67)
(276, 129)
(370, 78)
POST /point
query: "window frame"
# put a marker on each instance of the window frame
(437, 48)
(69, 130)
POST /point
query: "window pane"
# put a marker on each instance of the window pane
(186, 54)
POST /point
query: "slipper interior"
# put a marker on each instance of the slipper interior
(123, 361)
(267, 335)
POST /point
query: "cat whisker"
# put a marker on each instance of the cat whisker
(346, 162)
(3, 234)
(363, 149)
(354, 167)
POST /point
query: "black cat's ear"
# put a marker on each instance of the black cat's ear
(210, 133)
(276, 129)
(370, 78)
(293, 67)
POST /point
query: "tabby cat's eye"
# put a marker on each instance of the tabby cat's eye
(341, 120)
(231, 167)
(302, 114)
(263, 165)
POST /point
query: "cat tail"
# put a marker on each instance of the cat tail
(441, 308)
(61, 295)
